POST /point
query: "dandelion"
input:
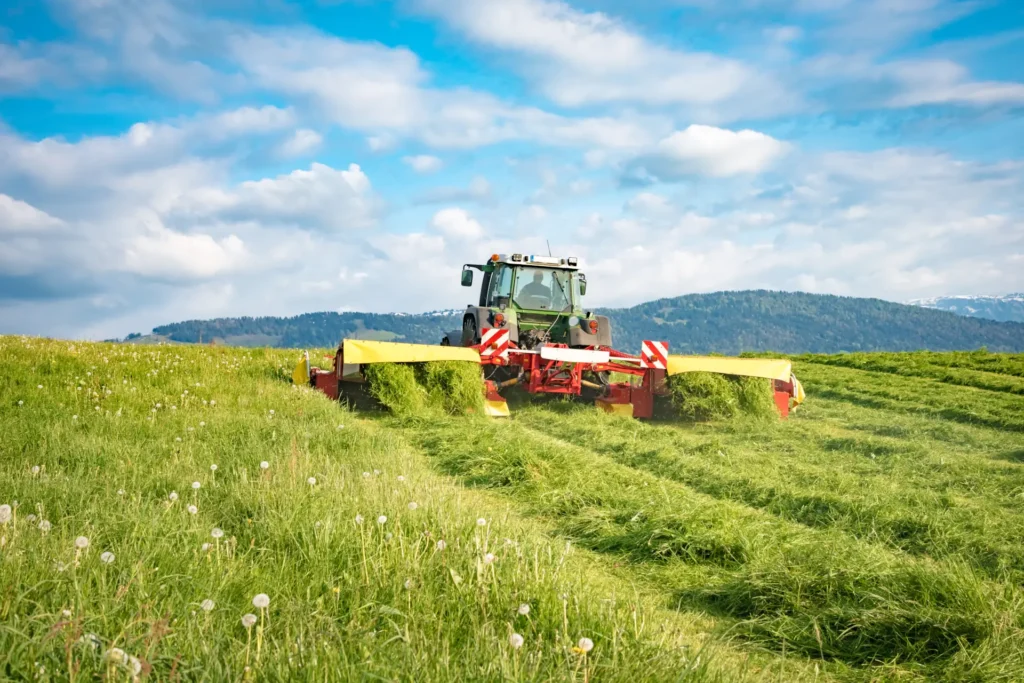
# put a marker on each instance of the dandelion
(401, 477)
(172, 496)
(523, 610)
(177, 439)
(107, 557)
(212, 402)
(5, 514)
(413, 505)
(35, 469)
(388, 536)
(264, 465)
(207, 605)
(261, 601)
(441, 545)
(44, 526)
(196, 485)
(366, 475)
(481, 522)
(202, 424)
(341, 426)
(311, 481)
(135, 666)
(359, 519)
(382, 519)
(248, 620)
(489, 558)
(39, 386)
(408, 584)
(30, 518)
(174, 407)
(217, 532)
(117, 656)
(585, 645)
(74, 417)
(192, 509)
(81, 542)
(516, 641)
(376, 473)
(213, 467)
(66, 613)
(271, 411)
(120, 492)
(205, 547)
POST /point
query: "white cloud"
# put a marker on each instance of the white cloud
(710, 151)
(423, 163)
(457, 224)
(17, 216)
(163, 253)
(301, 142)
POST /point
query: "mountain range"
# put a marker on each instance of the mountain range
(1008, 308)
(720, 322)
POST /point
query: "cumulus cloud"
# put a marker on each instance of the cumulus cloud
(423, 163)
(17, 216)
(163, 253)
(708, 151)
(457, 224)
(302, 141)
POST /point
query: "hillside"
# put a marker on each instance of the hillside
(151, 498)
(722, 322)
(1008, 308)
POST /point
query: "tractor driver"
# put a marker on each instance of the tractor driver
(537, 289)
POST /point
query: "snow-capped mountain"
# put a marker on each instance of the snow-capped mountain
(1007, 308)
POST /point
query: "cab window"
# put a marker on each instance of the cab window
(501, 286)
(543, 289)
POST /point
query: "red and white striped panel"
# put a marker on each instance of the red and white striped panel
(494, 342)
(654, 354)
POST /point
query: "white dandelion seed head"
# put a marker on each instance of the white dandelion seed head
(212, 402)
(5, 513)
(248, 620)
(413, 505)
(382, 519)
(177, 439)
(30, 518)
(66, 613)
(585, 644)
(523, 610)
(359, 519)
(489, 558)
(202, 424)
(516, 641)
(341, 426)
(481, 522)
(134, 665)
(261, 601)
(366, 475)
(158, 405)
(196, 485)
(107, 557)
(120, 492)
(264, 465)
(117, 655)
(441, 545)
(408, 584)
(35, 469)
(205, 547)
(311, 481)
(213, 467)
(271, 411)
(39, 386)
(401, 477)
(81, 542)
(217, 532)
(45, 526)
(172, 496)
(74, 417)
(388, 536)
(376, 473)
(207, 605)
(192, 509)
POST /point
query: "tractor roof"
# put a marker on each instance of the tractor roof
(570, 263)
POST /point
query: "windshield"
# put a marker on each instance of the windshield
(543, 288)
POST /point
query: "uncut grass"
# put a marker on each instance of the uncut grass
(703, 396)
(776, 467)
(347, 600)
(451, 387)
(812, 592)
(995, 372)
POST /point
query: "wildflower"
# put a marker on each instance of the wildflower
(441, 545)
(264, 465)
(177, 439)
(92, 640)
(44, 526)
(35, 469)
(158, 405)
(271, 411)
(192, 509)
(382, 519)
(413, 505)
(516, 641)
(81, 542)
(408, 584)
(30, 518)
(74, 417)
(205, 547)
(21, 403)
(39, 386)
(172, 496)
(388, 536)
(196, 485)
(212, 402)
(213, 467)
(401, 477)
(66, 613)
(202, 424)
(120, 492)
(489, 558)
(207, 605)
(248, 620)
(116, 655)
(341, 426)
(524, 609)
(107, 557)
(5, 514)
(585, 645)
(135, 665)
(311, 481)
(359, 519)
(262, 601)
(366, 475)
(217, 532)
(481, 522)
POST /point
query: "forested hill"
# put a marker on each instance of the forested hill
(722, 322)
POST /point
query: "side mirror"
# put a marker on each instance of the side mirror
(583, 284)
(467, 277)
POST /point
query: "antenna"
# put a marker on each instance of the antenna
(549, 246)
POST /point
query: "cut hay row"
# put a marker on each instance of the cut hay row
(795, 589)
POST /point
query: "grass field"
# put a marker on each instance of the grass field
(878, 534)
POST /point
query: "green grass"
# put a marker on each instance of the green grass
(875, 535)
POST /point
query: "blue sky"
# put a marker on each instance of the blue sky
(176, 159)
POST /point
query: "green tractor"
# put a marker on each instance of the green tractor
(538, 299)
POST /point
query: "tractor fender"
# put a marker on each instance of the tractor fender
(580, 337)
(481, 317)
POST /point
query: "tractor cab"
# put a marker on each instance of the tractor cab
(538, 299)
